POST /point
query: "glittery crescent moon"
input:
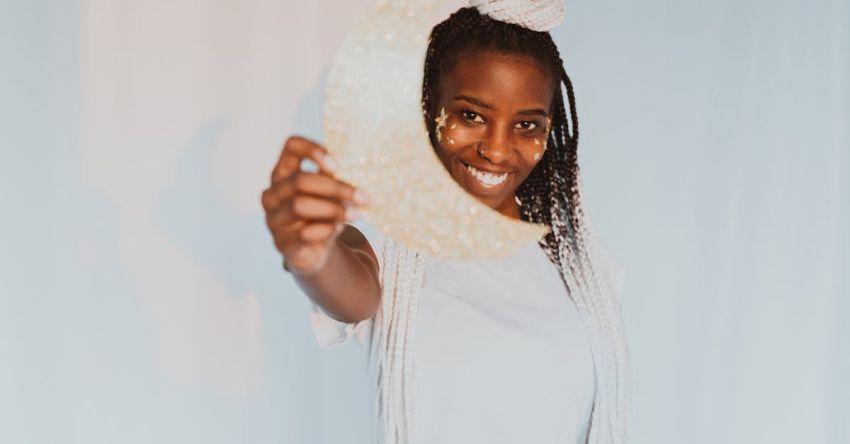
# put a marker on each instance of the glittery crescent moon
(374, 126)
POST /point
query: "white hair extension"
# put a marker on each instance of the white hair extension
(392, 341)
(412, 306)
(597, 302)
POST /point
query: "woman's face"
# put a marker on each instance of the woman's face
(492, 121)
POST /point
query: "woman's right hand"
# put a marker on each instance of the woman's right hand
(306, 212)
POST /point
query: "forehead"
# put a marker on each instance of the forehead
(498, 78)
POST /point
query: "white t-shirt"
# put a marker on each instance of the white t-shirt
(500, 354)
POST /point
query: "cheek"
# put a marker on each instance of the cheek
(535, 148)
(456, 134)
(530, 149)
(530, 152)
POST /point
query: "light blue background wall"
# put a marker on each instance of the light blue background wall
(716, 160)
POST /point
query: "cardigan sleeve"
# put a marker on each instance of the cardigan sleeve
(331, 333)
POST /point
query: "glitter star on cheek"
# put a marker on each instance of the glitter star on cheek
(548, 130)
(441, 123)
(441, 119)
(537, 156)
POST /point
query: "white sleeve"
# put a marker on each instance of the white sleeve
(331, 333)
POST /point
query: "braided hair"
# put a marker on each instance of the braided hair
(551, 194)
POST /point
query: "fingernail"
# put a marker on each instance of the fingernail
(351, 213)
(361, 197)
(330, 163)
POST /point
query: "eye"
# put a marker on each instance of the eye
(527, 125)
(471, 116)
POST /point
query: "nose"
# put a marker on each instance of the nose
(495, 147)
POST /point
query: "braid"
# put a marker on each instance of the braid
(401, 278)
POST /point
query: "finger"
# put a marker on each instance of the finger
(284, 236)
(284, 231)
(311, 209)
(314, 184)
(328, 187)
(295, 149)
(320, 232)
(319, 208)
(280, 221)
(272, 196)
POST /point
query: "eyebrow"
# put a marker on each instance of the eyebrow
(525, 112)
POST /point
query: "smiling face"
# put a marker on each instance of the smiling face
(492, 122)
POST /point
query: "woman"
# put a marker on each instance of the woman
(526, 348)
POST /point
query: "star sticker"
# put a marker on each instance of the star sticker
(441, 123)
(537, 156)
(548, 129)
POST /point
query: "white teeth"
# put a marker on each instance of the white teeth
(487, 178)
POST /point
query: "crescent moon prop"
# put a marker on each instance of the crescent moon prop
(374, 126)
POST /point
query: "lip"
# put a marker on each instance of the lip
(479, 188)
(486, 170)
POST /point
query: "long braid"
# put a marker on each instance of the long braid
(551, 194)
(392, 342)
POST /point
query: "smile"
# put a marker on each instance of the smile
(484, 179)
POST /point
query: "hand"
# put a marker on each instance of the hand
(306, 212)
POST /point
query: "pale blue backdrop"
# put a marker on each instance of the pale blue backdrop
(716, 160)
